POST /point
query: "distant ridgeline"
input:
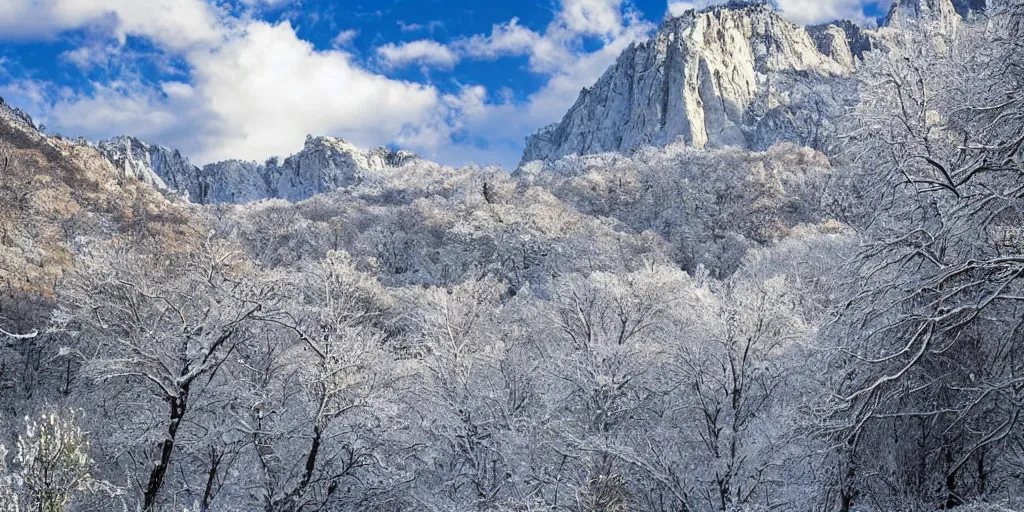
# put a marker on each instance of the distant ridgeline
(324, 164)
(734, 75)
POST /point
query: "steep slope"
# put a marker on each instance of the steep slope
(150, 164)
(57, 197)
(324, 164)
(17, 117)
(941, 10)
(739, 75)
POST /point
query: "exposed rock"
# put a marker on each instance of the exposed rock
(232, 181)
(324, 164)
(739, 75)
(17, 117)
(935, 10)
(842, 40)
(150, 164)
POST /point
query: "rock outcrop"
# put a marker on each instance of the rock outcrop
(739, 75)
(17, 117)
(150, 164)
(324, 164)
(948, 11)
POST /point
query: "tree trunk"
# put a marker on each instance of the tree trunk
(156, 476)
(289, 501)
(211, 478)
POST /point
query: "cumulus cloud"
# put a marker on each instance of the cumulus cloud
(592, 17)
(423, 52)
(254, 89)
(254, 96)
(820, 11)
(270, 88)
(175, 24)
(504, 40)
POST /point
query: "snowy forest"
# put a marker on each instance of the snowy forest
(672, 330)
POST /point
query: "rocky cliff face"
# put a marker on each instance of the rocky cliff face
(949, 11)
(327, 163)
(16, 117)
(324, 164)
(150, 164)
(739, 75)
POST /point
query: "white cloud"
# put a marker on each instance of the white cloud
(255, 96)
(344, 38)
(124, 106)
(821, 11)
(592, 17)
(423, 52)
(255, 89)
(175, 24)
(430, 27)
(557, 48)
(269, 89)
(90, 55)
(505, 39)
(409, 27)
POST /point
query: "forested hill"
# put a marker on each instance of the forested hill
(668, 328)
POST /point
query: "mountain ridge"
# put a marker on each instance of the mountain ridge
(732, 75)
(324, 164)
(737, 74)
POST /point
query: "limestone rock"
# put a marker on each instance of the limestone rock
(935, 10)
(17, 117)
(324, 164)
(150, 164)
(739, 75)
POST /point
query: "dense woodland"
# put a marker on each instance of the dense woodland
(675, 330)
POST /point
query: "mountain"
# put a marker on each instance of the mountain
(738, 75)
(58, 196)
(146, 163)
(903, 10)
(17, 117)
(324, 164)
(734, 75)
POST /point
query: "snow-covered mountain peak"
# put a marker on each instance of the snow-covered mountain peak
(17, 116)
(159, 166)
(323, 164)
(944, 11)
(734, 75)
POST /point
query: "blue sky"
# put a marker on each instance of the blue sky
(454, 80)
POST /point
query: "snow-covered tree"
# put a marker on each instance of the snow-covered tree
(928, 387)
(155, 331)
(53, 466)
